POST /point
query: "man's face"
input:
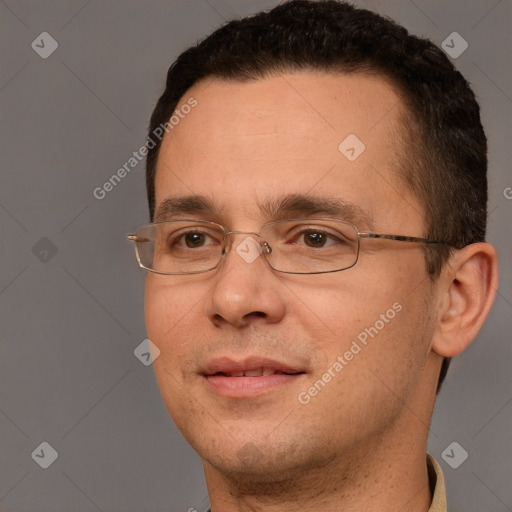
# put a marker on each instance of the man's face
(247, 144)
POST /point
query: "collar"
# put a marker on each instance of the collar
(437, 487)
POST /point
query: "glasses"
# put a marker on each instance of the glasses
(295, 246)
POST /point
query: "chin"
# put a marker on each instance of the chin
(262, 461)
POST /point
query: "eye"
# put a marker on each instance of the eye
(318, 238)
(314, 238)
(194, 239)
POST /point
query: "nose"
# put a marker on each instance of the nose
(245, 288)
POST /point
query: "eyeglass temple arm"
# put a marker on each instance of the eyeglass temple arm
(400, 238)
(135, 238)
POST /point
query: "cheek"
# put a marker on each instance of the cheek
(168, 318)
(394, 348)
(158, 306)
(344, 308)
(379, 328)
(166, 321)
(373, 368)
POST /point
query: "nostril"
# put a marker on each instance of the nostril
(259, 314)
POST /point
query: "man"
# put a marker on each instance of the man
(316, 255)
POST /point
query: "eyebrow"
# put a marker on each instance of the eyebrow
(279, 208)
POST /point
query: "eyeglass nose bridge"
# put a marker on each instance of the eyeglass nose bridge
(264, 245)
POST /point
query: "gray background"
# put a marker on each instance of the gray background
(70, 321)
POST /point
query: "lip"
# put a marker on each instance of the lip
(216, 374)
(228, 365)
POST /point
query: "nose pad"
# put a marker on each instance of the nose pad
(266, 248)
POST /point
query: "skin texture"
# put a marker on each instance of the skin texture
(360, 443)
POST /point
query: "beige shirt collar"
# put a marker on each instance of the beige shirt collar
(436, 478)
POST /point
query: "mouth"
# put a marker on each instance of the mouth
(258, 372)
(250, 377)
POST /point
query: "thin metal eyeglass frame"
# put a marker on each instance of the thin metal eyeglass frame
(266, 249)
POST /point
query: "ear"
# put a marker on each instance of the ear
(467, 288)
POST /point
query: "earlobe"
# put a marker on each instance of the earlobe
(468, 286)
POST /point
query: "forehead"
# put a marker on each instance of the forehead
(246, 143)
(291, 112)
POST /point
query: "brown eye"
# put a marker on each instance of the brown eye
(314, 238)
(194, 239)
